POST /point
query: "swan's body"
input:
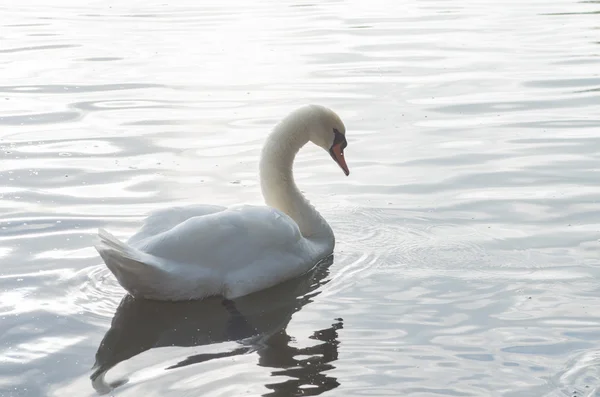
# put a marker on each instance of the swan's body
(203, 250)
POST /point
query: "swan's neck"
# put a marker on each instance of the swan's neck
(277, 181)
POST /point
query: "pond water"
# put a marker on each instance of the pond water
(467, 257)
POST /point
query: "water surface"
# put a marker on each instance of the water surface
(467, 233)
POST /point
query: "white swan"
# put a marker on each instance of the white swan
(197, 251)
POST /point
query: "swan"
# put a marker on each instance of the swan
(198, 251)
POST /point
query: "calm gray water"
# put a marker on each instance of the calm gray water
(468, 259)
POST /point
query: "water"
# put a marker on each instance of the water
(467, 257)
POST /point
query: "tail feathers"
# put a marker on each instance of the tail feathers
(108, 241)
(139, 273)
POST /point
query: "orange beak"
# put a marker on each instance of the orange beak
(337, 153)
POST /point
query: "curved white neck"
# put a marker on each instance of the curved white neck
(277, 181)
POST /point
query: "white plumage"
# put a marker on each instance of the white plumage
(197, 251)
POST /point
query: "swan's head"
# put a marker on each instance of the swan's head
(326, 129)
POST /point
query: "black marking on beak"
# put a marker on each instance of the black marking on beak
(337, 150)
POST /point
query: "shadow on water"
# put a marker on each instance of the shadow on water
(256, 323)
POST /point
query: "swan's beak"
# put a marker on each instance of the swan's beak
(337, 153)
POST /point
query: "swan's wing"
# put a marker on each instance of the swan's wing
(227, 239)
(231, 252)
(165, 219)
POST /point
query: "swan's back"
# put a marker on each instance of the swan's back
(231, 252)
(224, 240)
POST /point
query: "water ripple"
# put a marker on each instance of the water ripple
(71, 88)
(466, 236)
(39, 118)
(37, 48)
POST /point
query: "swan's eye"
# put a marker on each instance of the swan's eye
(339, 139)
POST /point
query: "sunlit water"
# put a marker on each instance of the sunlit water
(467, 261)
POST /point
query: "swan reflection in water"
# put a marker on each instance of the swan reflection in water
(256, 323)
